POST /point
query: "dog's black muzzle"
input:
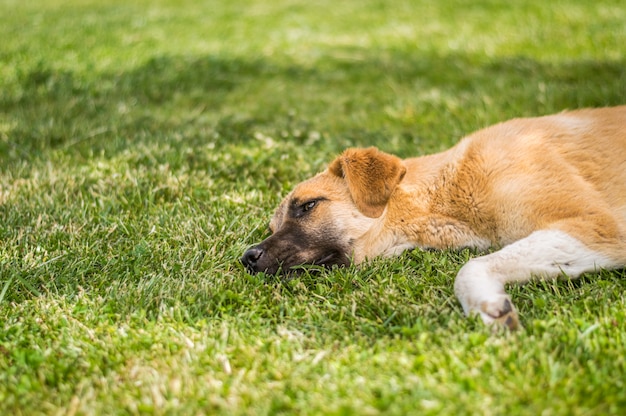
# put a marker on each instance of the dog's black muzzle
(251, 258)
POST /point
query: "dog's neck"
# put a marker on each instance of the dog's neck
(413, 217)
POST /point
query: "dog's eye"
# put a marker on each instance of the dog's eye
(298, 210)
(308, 206)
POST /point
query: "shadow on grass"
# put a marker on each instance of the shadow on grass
(51, 109)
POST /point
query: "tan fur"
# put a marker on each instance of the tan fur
(371, 176)
(501, 183)
(563, 175)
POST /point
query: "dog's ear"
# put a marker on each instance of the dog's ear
(371, 176)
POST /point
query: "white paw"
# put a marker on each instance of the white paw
(499, 311)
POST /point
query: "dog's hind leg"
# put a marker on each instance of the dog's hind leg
(479, 285)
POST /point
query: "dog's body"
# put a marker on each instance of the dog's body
(551, 191)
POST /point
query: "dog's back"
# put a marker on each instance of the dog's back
(542, 169)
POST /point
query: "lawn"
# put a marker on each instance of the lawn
(144, 145)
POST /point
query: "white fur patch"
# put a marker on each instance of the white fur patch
(569, 122)
(480, 283)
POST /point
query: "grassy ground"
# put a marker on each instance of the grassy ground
(144, 144)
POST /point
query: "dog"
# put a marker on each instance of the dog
(547, 193)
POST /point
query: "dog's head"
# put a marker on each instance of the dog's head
(321, 221)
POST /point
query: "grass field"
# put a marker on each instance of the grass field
(144, 145)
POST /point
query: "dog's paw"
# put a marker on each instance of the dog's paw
(500, 312)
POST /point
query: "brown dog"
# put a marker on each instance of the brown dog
(550, 192)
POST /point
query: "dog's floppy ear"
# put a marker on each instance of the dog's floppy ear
(371, 176)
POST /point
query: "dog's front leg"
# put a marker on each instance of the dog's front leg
(479, 285)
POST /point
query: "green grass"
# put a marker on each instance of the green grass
(144, 145)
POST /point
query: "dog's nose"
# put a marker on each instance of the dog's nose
(251, 257)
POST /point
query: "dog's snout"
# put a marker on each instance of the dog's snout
(251, 257)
